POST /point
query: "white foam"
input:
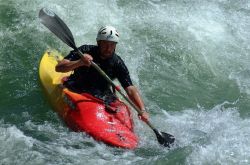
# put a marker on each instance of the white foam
(16, 147)
(12, 134)
(242, 79)
(216, 135)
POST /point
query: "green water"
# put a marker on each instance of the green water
(190, 60)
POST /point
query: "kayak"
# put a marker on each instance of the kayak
(111, 124)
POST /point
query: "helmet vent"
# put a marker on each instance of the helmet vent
(101, 32)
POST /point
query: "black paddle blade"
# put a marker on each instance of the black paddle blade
(164, 139)
(57, 26)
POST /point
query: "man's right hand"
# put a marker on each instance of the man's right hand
(86, 60)
(67, 65)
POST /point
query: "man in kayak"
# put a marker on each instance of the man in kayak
(86, 79)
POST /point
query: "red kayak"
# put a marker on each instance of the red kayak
(111, 124)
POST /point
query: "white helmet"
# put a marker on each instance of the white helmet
(108, 33)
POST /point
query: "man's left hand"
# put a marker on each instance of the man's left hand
(144, 116)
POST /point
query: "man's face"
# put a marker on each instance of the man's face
(107, 48)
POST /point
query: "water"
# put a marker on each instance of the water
(190, 60)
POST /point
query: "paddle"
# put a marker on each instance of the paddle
(60, 29)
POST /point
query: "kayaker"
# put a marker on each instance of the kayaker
(87, 79)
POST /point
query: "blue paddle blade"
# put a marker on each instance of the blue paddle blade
(57, 26)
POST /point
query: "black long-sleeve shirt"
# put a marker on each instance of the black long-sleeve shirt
(87, 79)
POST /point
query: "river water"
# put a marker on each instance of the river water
(190, 60)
